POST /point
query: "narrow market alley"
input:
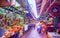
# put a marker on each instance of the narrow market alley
(29, 18)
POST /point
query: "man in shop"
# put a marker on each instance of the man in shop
(39, 28)
(34, 26)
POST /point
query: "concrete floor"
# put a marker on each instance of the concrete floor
(34, 34)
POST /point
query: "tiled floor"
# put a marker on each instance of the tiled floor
(34, 34)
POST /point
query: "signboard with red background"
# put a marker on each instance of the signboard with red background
(4, 3)
(55, 9)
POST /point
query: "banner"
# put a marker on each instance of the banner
(2, 11)
(55, 9)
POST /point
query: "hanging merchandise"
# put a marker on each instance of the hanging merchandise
(13, 9)
(22, 21)
(26, 20)
(50, 21)
(2, 11)
(7, 8)
(10, 16)
(12, 2)
(1, 16)
(17, 4)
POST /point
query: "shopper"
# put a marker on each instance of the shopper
(34, 26)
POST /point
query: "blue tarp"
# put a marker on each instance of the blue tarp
(2, 32)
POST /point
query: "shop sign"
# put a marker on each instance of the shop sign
(4, 3)
(55, 10)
